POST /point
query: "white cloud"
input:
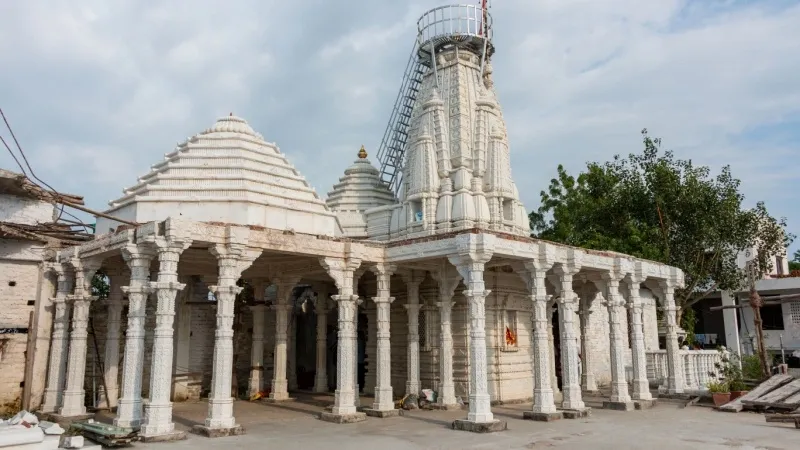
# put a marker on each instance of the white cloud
(578, 79)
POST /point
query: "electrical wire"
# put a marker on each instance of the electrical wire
(25, 158)
(13, 156)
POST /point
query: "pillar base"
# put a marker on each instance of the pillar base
(576, 413)
(166, 437)
(619, 406)
(542, 417)
(645, 404)
(61, 419)
(382, 413)
(343, 418)
(218, 432)
(480, 427)
(453, 407)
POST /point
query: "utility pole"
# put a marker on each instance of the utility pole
(755, 304)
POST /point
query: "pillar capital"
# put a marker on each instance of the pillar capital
(378, 300)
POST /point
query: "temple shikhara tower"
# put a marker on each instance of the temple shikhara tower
(230, 277)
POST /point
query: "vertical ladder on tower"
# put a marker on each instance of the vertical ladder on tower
(395, 138)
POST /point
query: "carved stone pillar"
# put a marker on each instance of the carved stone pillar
(74, 393)
(675, 377)
(321, 307)
(129, 409)
(283, 308)
(588, 382)
(291, 348)
(384, 403)
(641, 386)
(256, 382)
(371, 377)
(620, 399)
(413, 282)
(111, 360)
(544, 407)
(570, 381)
(471, 267)
(551, 340)
(344, 408)
(232, 260)
(448, 280)
(356, 387)
(157, 422)
(59, 347)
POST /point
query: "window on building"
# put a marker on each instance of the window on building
(794, 312)
(779, 265)
(772, 317)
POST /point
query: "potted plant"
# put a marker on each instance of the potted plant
(720, 392)
(738, 388)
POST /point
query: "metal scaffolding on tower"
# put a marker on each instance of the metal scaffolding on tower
(462, 26)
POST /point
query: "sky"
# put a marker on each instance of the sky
(99, 90)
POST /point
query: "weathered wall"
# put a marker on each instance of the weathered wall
(20, 268)
(24, 211)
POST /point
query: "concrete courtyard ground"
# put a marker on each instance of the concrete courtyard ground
(667, 426)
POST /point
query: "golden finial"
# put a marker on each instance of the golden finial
(362, 154)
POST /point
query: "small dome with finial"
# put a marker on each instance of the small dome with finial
(362, 154)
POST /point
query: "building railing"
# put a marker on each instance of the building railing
(697, 368)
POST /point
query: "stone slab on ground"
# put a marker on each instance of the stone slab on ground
(773, 383)
(480, 427)
(576, 413)
(343, 418)
(203, 430)
(619, 406)
(382, 414)
(542, 417)
(169, 437)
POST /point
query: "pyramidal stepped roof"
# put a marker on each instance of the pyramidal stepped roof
(359, 190)
(227, 173)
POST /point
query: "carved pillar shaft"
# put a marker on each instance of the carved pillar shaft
(479, 402)
(371, 377)
(447, 390)
(675, 377)
(111, 357)
(158, 413)
(570, 382)
(321, 377)
(383, 388)
(412, 351)
(76, 366)
(220, 402)
(641, 386)
(280, 382)
(232, 259)
(543, 399)
(291, 350)
(619, 385)
(344, 398)
(256, 382)
(129, 409)
(59, 347)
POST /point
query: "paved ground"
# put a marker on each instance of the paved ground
(668, 426)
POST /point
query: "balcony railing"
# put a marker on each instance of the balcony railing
(697, 364)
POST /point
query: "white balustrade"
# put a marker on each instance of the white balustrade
(697, 364)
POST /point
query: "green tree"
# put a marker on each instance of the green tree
(794, 264)
(654, 206)
(100, 286)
